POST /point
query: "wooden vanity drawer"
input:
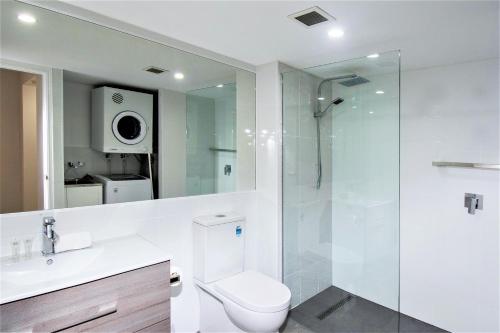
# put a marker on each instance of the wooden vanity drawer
(126, 302)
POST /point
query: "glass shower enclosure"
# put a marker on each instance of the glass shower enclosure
(341, 186)
(211, 140)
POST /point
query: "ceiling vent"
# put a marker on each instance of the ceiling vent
(312, 16)
(155, 70)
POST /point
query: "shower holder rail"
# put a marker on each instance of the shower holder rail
(466, 165)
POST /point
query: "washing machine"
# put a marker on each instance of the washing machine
(124, 188)
(122, 121)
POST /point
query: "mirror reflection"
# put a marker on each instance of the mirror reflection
(89, 120)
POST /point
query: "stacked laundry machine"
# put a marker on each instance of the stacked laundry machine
(122, 122)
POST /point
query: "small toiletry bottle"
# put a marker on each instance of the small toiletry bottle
(16, 250)
(28, 245)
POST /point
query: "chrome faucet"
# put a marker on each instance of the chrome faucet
(50, 237)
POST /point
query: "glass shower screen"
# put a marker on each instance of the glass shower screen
(341, 180)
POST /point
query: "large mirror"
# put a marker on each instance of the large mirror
(91, 115)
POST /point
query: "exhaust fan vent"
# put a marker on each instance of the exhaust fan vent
(312, 16)
(117, 98)
(155, 70)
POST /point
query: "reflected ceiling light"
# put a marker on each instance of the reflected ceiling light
(321, 98)
(219, 85)
(371, 112)
(372, 56)
(248, 131)
(379, 92)
(336, 33)
(179, 76)
(26, 18)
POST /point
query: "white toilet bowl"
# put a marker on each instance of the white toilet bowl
(254, 302)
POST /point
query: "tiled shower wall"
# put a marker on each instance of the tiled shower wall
(307, 219)
(200, 161)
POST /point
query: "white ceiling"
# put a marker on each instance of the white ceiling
(428, 33)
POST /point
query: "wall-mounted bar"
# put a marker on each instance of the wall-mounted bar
(223, 149)
(466, 165)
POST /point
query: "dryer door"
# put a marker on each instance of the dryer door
(129, 127)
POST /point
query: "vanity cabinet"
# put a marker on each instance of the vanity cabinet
(134, 301)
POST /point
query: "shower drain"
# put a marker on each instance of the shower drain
(334, 307)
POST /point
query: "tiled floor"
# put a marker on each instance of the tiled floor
(345, 313)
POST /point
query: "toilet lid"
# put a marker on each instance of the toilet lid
(255, 291)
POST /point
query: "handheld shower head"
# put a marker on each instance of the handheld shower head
(335, 101)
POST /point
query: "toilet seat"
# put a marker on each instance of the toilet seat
(255, 291)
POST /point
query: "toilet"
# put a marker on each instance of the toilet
(253, 301)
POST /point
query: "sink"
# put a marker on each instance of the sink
(39, 274)
(40, 269)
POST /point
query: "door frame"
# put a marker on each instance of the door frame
(50, 146)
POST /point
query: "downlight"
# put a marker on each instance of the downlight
(26, 18)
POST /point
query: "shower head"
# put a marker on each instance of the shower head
(354, 81)
(335, 101)
(338, 100)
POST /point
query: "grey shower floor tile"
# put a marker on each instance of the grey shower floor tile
(352, 315)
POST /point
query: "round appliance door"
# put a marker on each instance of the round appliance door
(129, 127)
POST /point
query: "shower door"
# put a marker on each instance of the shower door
(343, 234)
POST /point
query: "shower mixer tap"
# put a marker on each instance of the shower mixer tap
(472, 202)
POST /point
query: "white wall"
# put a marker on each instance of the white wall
(268, 168)
(245, 130)
(172, 145)
(450, 259)
(55, 105)
(166, 223)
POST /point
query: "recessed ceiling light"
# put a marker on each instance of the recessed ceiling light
(371, 112)
(372, 56)
(220, 86)
(380, 92)
(321, 98)
(26, 18)
(179, 76)
(336, 33)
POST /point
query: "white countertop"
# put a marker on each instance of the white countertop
(31, 277)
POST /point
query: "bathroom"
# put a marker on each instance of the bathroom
(335, 170)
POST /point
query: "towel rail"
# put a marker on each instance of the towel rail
(466, 165)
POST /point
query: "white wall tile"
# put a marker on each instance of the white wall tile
(450, 259)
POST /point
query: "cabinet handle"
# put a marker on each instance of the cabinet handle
(77, 318)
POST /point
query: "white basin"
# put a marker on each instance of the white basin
(41, 269)
(35, 276)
